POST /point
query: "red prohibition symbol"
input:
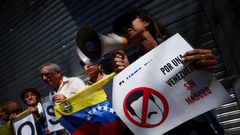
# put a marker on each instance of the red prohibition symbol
(145, 107)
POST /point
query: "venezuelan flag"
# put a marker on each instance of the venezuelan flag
(89, 112)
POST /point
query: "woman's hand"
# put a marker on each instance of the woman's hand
(202, 59)
(12, 116)
(120, 61)
(47, 131)
(58, 98)
(34, 110)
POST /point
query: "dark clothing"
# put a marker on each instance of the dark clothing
(40, 127)
(192, 127)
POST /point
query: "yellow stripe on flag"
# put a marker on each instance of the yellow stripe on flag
(91, 95)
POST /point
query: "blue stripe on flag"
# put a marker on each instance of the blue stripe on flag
(100, 113)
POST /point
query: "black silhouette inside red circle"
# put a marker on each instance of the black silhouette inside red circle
(145, 107)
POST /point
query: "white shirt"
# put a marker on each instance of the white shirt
(70, 86)
(40, 108)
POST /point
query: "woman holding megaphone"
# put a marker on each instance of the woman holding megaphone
(143, 31)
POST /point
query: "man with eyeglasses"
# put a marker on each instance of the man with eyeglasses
(63, 86)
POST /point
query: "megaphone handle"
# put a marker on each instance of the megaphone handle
(120, 61)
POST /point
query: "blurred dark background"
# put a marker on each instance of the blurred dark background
(33, 32)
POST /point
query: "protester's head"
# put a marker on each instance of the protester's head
(136, 24)
(3, 115)
(11, 109)
(30, 96)
(93, 71)
(51, 74)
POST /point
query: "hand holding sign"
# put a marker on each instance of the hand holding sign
(205, 59)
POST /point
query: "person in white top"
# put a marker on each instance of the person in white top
(63, 86)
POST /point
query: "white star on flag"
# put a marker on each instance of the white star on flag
(99, 107)
(90, 112)
(105, 108)
(94, 110)
(111, 110)
(89, 118)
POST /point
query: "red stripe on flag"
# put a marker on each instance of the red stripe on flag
(114, 128)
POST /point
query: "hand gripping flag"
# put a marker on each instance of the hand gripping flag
(89, 113)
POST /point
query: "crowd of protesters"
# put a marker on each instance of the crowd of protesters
(140, 30)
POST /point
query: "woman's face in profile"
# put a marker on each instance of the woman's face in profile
(91, 69)
(138, 27)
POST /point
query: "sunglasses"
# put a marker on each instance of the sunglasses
(45, 74)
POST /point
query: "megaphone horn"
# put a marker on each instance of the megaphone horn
(92, 46)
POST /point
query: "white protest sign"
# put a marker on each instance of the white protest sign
(25, 126)
(157, 92)
(52, 122)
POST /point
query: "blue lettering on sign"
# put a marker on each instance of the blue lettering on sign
(133, 73)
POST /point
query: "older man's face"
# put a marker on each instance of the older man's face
(52, 78)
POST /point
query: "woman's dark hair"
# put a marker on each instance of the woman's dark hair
(33, 91)
(82, 63)
(126, 19)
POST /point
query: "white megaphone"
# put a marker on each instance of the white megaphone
(92, 46)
